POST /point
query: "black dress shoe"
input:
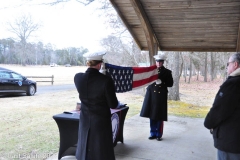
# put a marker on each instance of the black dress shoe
(152, 137)
(159, 139)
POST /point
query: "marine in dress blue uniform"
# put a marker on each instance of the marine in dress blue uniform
(155, 102)
(97, 96)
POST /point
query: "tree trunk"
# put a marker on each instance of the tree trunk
(190, 69)
(174, 90)
(212, 66)
(205, 68)
(197, 74)
(185, 72)
(181, 67)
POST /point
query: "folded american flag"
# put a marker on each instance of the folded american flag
(130, 78)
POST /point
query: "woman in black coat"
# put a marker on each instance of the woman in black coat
(155, 102)
(97, 96)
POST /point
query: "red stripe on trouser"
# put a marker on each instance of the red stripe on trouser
(161, 129)
(156, 128)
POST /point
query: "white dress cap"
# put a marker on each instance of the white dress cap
(160, 56)
(97, 56)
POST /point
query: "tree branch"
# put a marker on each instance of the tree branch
(55, 2)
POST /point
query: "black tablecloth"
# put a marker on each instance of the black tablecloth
(68, 124)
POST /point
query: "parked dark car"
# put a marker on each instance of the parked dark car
(67, 65)
(12, 82)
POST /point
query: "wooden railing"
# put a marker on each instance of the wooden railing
(40, 77)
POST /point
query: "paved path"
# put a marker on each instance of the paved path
(183, 139)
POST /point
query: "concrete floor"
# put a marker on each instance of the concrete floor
(183, 139)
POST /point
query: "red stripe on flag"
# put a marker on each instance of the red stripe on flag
(137, 70)
(144, 81)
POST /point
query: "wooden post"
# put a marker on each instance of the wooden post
(238, 39)
(52, 79)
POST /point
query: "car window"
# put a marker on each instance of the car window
(5, 75)
(16, 76)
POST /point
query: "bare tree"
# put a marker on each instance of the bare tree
(190, 68)
(7, 50)
(23, 27)
(223, 58)
(54, 2)
(213, 65)
(120, 53)
(174, 90)
(181, 65)
(205, 67)
(185, 72)
(196, 60)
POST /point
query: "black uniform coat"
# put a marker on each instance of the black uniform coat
(97, 95)
(224, 116)
(155, 101)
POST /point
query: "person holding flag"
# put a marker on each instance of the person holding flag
(155, 102)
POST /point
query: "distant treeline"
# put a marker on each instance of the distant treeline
(206, 64)
(12, 52)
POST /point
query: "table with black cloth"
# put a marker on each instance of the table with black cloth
(68, 123)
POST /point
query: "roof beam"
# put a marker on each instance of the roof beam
(125, 22)
(238, 39)
(200, 49)
(149, 34)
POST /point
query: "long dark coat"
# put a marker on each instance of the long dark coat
(224, 116)
(97, 95)
(155, 101)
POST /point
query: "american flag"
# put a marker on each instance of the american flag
(130, 78)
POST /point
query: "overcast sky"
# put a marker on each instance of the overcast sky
(65, 25)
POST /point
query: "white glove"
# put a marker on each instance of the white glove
(158, 81)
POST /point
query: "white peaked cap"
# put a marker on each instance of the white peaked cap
(160, 56)
(97, 56)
